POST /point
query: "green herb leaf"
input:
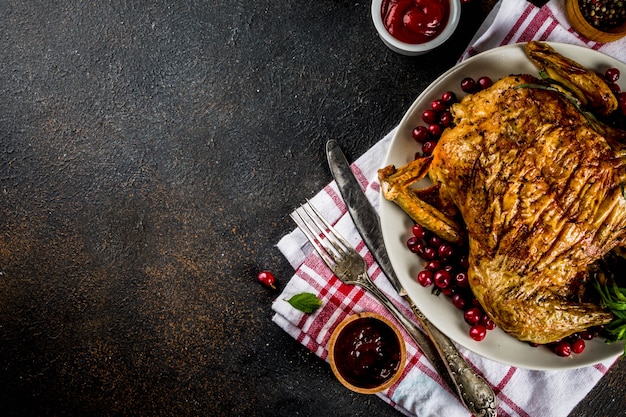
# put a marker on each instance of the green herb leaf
(305, 302)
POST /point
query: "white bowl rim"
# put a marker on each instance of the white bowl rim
(453, 21)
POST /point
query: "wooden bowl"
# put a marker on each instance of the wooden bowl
(368, 372)
(582, 26)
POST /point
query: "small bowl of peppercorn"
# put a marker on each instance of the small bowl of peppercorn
(597, 20)
(367, 353)
(412, 27)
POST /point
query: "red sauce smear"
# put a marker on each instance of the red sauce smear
(415, 21)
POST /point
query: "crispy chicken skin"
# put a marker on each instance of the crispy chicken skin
(541, 194)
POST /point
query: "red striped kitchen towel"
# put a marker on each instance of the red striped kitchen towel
(421, 392)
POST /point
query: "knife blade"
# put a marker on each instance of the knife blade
(473, 391)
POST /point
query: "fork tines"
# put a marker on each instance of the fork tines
(315, 229)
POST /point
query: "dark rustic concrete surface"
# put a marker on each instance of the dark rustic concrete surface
(150, 153)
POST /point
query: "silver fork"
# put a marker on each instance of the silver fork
(342, 258)
(347, 265)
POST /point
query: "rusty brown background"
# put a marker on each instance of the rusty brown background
(150, 152)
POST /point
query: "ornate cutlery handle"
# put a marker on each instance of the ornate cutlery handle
(473, 390)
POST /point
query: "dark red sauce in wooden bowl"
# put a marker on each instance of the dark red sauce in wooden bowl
(367, 352)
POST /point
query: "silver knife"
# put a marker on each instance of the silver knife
(473, 390)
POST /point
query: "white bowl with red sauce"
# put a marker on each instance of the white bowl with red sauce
(415, 27)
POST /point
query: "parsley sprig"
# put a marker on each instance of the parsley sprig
(613, 298)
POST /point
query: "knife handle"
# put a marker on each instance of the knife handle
(473, 390)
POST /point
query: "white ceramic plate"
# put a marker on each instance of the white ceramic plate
(396, 225)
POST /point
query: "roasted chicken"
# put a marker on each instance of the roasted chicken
(540, 190)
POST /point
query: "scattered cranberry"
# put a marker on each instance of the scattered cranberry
(484, 82)
(267, 279)
(478, 332)
(433, 265)
(612, 75)
(428, 147)
(472, 315)
(429, 253)
(438, 105)
(445, 119)
(461, 279)
(435, 129)
(578, 346)
(586, 335)
(615, 88)
(429, 116)
(563, 348)
(468, 85)
(425, 278)
(442, 279)
(419, 231)
(459, 301)
(449, 97)
(487, 322)
(449, 290)
(411, 242)
(420, 134)
(435, 240)
(445, 251)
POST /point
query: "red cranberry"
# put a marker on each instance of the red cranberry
(435, 240)
(459, 301)
(442, 279)
(563, 348)
(612, 75)
(468, 85)
(478, 332)
(267, 279)
(420, 134)
(435, 130)
(472, 315)
(428, 147)
(429, 253)
(418, 247)
(484, 82)
(448, 97)
(430, 116)
(438, 105)
(461, 279)
(578, 346)
(445, 119)
(445, 251)
(419, 231)
(411, 242)
(615, 88)
(433, 265)
(487, 322)
(586, 335)
(425, 278)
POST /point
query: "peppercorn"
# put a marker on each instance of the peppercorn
(603, 14)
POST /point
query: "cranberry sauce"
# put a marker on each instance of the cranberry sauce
(367, 353)
(415, 21)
